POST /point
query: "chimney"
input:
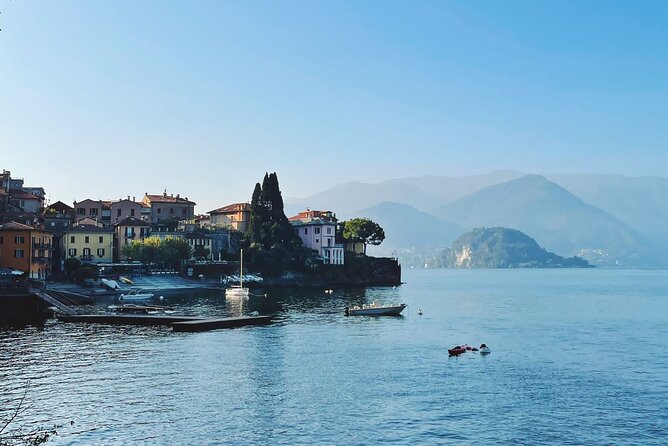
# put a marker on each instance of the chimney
(128, 198)
(133, 198)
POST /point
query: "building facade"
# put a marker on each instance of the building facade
(126, 208)
(89, 243)
(26, 249)
(317, 229)
(235, 216)
(169, 207)
(128, 230)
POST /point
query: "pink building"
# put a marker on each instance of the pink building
(317, 229)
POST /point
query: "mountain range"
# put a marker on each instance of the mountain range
(607, 219)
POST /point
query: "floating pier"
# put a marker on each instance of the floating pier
(178, 323)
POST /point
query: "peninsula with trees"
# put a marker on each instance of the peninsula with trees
(504, 248)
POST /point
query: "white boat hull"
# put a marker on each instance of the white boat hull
(377, 311)
(237, 292)
(128, 297)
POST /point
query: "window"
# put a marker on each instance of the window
(18, 253)
(72, 252)
(317, 240)
(305, 231)
(184, 211)
(317, 230)
(118, 212)
(329, 230)
(171, 210)
(72, 239)
(86, 239)
(132, 212)
(100, 252)
(81, 211)
(159, 210)
(86, 252)
(19, 240)
(93, 212)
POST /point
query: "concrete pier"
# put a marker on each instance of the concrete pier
(178, 323)
(213, 324)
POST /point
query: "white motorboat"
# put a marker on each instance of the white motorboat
(136, 294)
(375, 309)
(238, 290)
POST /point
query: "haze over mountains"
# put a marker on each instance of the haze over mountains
(607, 219)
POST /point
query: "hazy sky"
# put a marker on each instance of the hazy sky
(102, 99)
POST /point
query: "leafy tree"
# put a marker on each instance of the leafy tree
(200, 252)
(363, 230)
(271, 242)
(72, 265)
(174, 251)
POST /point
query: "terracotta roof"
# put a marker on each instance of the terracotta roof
(132, 221)
(230, 208)
(14, 226)
(59, 206)
(23, 195)
(168, 199)
(313, 221)
(88, 228)
(310, 214)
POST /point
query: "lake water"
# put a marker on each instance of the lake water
(578, 357)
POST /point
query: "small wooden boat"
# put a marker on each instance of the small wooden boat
(375, 309)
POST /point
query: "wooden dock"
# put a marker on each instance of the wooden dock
(213, 324)
(178, 323)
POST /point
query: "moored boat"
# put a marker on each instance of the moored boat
(136, 294)
(140, 309)
(238, 290)
(375, 309)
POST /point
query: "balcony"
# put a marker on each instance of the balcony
(86, 257)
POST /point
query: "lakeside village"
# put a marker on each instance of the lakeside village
(80, 248)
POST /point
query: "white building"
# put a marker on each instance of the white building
(317, 229)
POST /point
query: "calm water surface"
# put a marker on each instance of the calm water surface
(579, 357)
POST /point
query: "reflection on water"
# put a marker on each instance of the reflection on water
(556, 375)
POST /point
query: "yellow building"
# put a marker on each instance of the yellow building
(235, 216)
(89, 243)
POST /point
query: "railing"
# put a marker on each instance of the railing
(86, 257)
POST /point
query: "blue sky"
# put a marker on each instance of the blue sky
(102, 99)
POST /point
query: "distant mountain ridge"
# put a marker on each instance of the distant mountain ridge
(610, 219)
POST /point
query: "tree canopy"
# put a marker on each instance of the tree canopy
(170, 251)
(363, 230)
(271, 241)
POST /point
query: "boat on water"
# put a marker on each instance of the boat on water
(136, 294)
(458, 350)
(126, 280)
(238, 290)
(140, 309)
(375, 309)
